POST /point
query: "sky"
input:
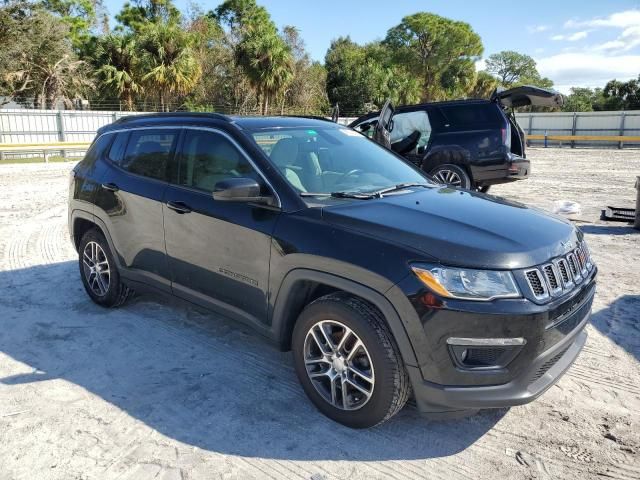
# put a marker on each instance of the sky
(575, 43)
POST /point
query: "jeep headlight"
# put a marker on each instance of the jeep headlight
(467, 284)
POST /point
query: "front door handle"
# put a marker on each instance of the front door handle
(179, 207)
(112, 187)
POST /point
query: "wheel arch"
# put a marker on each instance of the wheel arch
(301, 286)
(451, 154)
(81, 222)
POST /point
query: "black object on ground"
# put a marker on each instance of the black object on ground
(617, 214)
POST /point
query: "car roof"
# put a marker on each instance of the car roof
(420, 106)
(195, 118)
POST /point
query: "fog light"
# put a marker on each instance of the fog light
(484, 353)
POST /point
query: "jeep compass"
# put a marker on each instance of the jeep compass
(382, 283)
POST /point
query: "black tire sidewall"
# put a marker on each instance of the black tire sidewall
(112, 296)
(461, 171)
(378, 406)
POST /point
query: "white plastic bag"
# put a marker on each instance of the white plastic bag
(566, 207)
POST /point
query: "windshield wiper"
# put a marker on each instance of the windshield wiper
(395, 188)
(367, 195)
(360, 196)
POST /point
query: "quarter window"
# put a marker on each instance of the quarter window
(148, 152)
(208, 158)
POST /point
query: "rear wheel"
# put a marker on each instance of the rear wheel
(99, 272)
(347, 361)
(453, 175)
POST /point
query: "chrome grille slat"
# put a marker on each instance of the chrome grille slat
(561, 275)
(552, 278)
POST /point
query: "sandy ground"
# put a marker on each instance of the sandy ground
(161, 390)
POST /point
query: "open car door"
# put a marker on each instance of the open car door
(527, 95)
(384, 125)
(335, 113)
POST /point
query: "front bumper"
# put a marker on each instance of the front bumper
(554, 336)
(540, 376)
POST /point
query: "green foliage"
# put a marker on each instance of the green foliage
(37, 64)
(79, 15)
(439, 51)
(118, 67)
(234, 59)
(260, 52)
(136, 15)
(361, 78)
(484, 86)
(622, 95)
(513, 69)
(168, 61)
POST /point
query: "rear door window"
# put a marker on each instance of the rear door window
(148, 152)
(97, 149)
(116, 152)
(471, 116)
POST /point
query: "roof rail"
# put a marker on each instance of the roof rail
(131, 118)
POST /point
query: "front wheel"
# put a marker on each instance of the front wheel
(452, 175)
(348, 362)
(99, 273)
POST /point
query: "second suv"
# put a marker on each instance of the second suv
(380, 281)
(470, 144)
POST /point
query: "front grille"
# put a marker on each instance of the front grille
(561, 275)
(536, 283)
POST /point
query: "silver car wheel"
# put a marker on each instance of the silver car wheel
(339, 365)
(96, 268)
(448, 177)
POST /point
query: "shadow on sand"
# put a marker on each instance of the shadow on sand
(193, 376)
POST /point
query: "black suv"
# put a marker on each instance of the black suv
(470, 144)
(380, 281)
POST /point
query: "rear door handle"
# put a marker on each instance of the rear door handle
(179, 207)
(112, 187)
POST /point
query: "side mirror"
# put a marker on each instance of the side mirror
(240, 190)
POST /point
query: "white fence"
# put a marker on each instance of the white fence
(20, 127)
(595, 124)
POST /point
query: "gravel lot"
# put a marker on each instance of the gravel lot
(160, 390)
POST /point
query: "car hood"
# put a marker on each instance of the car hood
(459, 227)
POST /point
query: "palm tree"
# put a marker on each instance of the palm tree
(269, 64)
(170, 66)
(119, 67)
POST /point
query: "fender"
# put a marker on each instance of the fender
(442, 154)
(78, 213)
(281, 324)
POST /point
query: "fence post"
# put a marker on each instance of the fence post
(61, 133)
(573, 128)
(545, 139)
(530, 129)
(622, 115)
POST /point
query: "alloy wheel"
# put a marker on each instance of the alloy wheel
(338, 365)
(448, 177)
(96, 268)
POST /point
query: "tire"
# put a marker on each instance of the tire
(99, 272)
(453, 175)
(378, 359)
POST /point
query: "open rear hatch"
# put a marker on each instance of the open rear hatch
(527, 95)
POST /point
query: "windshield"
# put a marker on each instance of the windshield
(324, 160)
